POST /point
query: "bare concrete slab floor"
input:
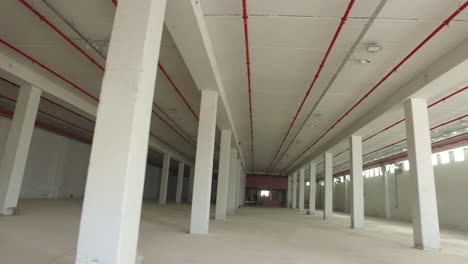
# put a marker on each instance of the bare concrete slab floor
(47, 232)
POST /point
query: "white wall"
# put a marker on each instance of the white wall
(451, 187)
(57, 167)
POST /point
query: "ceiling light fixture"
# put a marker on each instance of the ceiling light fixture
(373, 48)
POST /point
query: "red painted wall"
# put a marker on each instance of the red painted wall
(267, 182)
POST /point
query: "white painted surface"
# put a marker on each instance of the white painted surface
(422, 184)
(294, 191)
(180, 182)
(301, 189)
(328, 192)
(13, 163)
(231, 208)
(223, 175)
(312, 187)
(110, 219)
(357, 184)
(199, 219)
(164, 179)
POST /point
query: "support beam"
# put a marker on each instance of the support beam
(190, 184)
(180, 182)
(16, 151)
(312, 187)
(386, 176)
(301, 189)
(422, 185)
(357, 182)
(346, 194)
(294, 191)
(239, 183)
(199, 220)
(328, 201)
(289, 192)
(164, 179)
(110, 223)
(232, 181)
(223, 175)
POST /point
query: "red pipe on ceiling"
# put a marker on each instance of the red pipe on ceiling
(65, 37)
(45, 99)
(418, 47)
(402, 120)
(48, 69)
(10, 114)
(50, 115)
(317, 75)
(62, 132)
(400, 156)
(245, 17)
(397, 142)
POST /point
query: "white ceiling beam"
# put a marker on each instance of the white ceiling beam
(447, 73)
(186, 23)
(24, 72)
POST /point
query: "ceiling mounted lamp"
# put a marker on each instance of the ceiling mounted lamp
(373, 48)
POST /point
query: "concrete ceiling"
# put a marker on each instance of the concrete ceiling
(288, 40)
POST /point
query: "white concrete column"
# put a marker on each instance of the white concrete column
(16, 149)
(423, 193)
(223, 175)
(346, 201)
(164, 179)
(239, 183)
(243, 185)
(190, 187)
(199, 220)
(312, 187)
(231, 203)
(294, 191)
(357, 182)
(301, 188)
(328, 201)
(114, 189)
(386, 176)
(289, 192)
(180, 182)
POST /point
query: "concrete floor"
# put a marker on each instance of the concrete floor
(47, 231)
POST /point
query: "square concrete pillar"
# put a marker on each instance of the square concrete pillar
(422, 185)
(164, 179)
(301, 189)
(231, 202)
(294, 191)
(239, 197)
(289, 192)
(357, 182)
(223, 175)
(200, 216)
(190, 187)
(16, 149)
(328, 201)
(114, 188)
(312, 187)
(180, 182)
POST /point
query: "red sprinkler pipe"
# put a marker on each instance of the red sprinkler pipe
(40, 124)
(54, 103)
(178, 91)
(418, 47)
(245, 17)
(403, 140)
(50, 24)
(42, 18)
(48, 69)
(50, 115)
(403, 155)
(402, 120)
(317, 74)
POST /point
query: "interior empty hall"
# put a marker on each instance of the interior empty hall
(233, 131)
